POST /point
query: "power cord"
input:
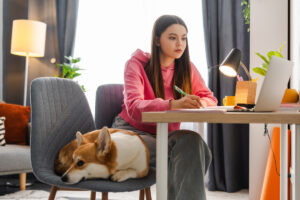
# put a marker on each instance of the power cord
(266, 132)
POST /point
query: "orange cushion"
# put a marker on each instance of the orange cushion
(17, 118)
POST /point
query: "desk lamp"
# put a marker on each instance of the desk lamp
(245, 90)
(231, 63)
(28, 39)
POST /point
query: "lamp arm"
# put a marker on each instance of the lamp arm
(246, 70)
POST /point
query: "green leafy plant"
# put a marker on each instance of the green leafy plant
(246, 12)
(264, 67)
(70, 69)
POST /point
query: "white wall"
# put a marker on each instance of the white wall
(269, 30)
(295, 83)
(102, 66)
(295, 42)
(1, 61)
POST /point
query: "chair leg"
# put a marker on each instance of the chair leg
(93, 195)
(22, 177)
(52, 192)
(141, 194)
(148, 193)
(104, 196)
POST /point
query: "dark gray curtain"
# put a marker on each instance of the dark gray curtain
(225, 29)
(60, 17)
(67, 11)
(13, 66)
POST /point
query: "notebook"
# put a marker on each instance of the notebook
(274, 85)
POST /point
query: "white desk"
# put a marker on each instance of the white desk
(163, 118)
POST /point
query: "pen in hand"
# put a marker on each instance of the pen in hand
(179, 90)
(182, 92)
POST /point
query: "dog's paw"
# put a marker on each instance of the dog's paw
(123, 175)
(120, 176)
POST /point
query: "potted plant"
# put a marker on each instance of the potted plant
(70, 69)
(290, 95)
(266, 61)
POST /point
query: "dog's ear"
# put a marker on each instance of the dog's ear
(79, 138)
(103, 142)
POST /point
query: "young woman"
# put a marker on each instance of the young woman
(149, 82)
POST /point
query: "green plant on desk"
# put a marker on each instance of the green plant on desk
(70, 69)
(266, 61)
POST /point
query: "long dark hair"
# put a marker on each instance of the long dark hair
(182, 71)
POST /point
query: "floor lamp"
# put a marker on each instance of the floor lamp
(28, 39)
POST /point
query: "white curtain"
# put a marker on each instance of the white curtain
(108, 32)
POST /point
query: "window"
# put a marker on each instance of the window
(108, 32)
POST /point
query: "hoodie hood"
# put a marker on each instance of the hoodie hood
(141, 56)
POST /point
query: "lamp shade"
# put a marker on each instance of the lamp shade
(28, 38)
(231, 63)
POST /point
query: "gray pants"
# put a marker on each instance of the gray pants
(189, 159)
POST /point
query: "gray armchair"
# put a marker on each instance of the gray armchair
(59, 110)
(109, 100)
(15, 159)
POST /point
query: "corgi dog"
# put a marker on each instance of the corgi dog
(116, 153)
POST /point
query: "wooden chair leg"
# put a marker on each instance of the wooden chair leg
(93, 195)
(22, 177)
(148, 193)
(104, 196)
(141, 194)
(52, 192)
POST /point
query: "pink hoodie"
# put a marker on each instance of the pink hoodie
(139, 96)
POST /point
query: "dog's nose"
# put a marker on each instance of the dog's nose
(64, 178)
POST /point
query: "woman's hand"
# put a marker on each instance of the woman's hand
(188, 101)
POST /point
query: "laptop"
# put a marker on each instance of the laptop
(274, 85)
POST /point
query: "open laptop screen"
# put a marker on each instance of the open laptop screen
(274, 85)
